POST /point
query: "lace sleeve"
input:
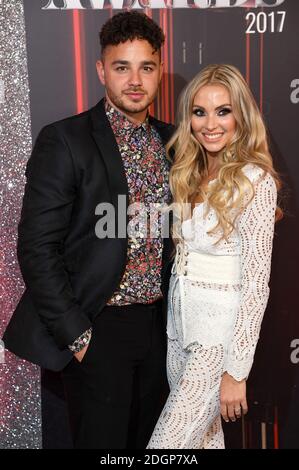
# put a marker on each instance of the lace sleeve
(256, 228)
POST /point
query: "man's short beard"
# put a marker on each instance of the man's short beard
(134, 108)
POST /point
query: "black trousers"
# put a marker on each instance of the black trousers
(116, 394)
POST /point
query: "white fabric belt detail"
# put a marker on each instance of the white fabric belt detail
(206, 267)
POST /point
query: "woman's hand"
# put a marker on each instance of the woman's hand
(232, 398)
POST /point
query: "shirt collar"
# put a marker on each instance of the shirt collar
(121, 124)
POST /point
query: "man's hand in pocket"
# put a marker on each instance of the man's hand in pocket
(79, 355)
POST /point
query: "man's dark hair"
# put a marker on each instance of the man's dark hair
(130, 25)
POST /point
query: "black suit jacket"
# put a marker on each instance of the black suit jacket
(68, 271)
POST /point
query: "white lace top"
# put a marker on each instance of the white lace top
(220, 294)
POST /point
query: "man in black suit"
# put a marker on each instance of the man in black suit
(93, 306)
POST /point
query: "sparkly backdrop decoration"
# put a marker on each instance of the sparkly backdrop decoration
(20, 415)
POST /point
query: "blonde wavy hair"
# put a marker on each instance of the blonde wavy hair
(190, 164)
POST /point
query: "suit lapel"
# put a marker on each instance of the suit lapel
(108, 147)
(163, 129)
(105, 140)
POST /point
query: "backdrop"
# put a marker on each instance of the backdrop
(48, 51)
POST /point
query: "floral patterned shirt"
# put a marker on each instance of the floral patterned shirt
(147, 170)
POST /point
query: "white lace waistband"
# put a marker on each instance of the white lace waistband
(206, 267)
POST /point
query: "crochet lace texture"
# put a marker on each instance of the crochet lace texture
(223, 313)
(214, 327)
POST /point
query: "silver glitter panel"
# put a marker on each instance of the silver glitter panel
(20, 409)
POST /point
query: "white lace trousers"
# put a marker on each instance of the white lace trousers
(191, 416)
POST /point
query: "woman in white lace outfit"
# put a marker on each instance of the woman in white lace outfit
(222, 173)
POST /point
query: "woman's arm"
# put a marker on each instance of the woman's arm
(256, 229)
